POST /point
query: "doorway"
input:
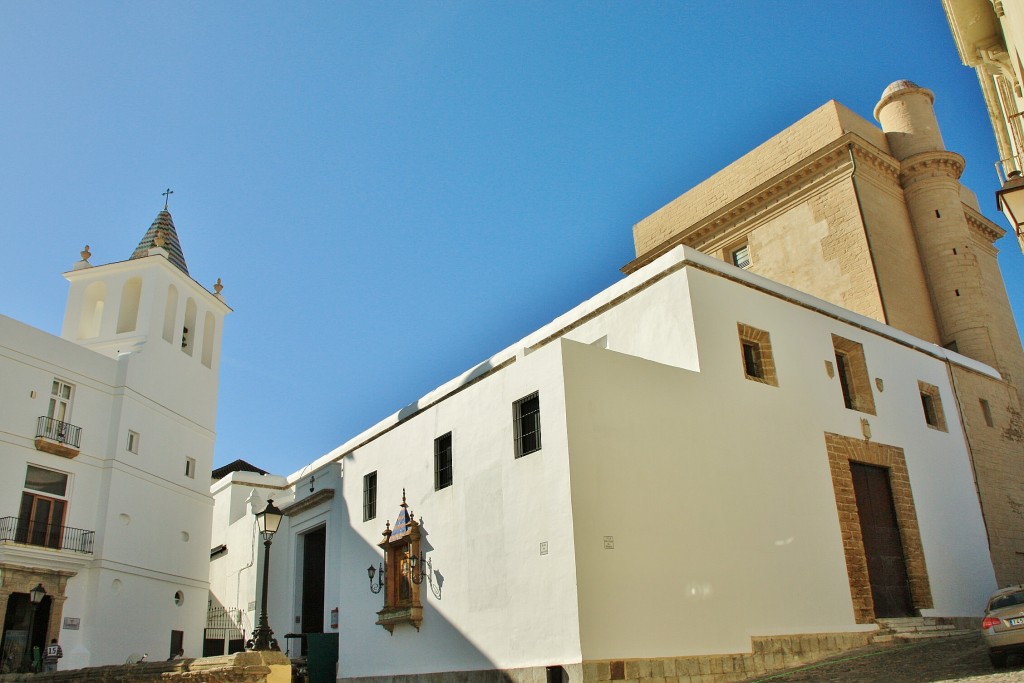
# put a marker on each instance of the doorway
(314, 553)
(17, 639)
(883, 547)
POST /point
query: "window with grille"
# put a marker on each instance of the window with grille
(370, 496)
(443, 461)
(526, 422)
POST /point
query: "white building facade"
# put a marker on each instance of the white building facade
(107, 436)
(695, 458)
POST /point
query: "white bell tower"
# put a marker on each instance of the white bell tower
(149, 307)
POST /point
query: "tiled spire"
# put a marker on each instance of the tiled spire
(163, 225)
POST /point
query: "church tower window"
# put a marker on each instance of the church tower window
(209, 328)
(170, 313)
(128, 314)
(92, 310)
(188, 331)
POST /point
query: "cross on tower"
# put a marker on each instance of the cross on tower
(167, 196)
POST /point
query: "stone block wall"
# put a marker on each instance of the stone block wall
(767, 654)
(997, 452)
(242, 667)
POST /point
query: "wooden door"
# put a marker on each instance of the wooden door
(880, 530)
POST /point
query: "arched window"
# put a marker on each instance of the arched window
(170, 313)
(209, 327)
(128, 314)
(188, 331)
(92, 310)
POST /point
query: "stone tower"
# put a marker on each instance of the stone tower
(963, 280)
(876, 221)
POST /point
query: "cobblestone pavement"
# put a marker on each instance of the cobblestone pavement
(962, 658)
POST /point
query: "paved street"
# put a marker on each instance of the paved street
(962, 658)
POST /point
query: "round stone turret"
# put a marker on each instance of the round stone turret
(908, 119)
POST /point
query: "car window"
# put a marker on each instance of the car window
(1008, 600)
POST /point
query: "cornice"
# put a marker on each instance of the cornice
(931, 165)
(828, 162)
(982, 226)
(309, 502)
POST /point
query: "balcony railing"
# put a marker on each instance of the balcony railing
(58, 431)
(59, 438)
(57, 536)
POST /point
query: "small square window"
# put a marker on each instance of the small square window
(190, 468)
(369, 496)
(931, 404)
(526, 424)
(756, 349)
(133, 442)
(443, 461)
(741, 257)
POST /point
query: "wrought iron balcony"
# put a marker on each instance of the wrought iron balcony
(57, 536)
(59, 438)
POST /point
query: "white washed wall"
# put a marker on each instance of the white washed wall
(151, 521)
(717, 490)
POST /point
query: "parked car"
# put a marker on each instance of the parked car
(1003, 625)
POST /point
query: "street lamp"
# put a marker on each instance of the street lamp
(35, 597)
(269, 519)
(1010, 200)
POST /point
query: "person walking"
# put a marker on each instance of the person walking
(51, 654)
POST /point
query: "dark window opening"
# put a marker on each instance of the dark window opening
(370, 496)
(929, 410)
(752, 360)
(443, 461)
(526, 420)
(843, 369)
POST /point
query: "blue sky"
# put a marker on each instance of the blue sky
(392, 192)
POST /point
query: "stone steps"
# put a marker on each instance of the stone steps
(910, 629)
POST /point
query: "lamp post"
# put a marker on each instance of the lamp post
(269, 519)
(35, 597)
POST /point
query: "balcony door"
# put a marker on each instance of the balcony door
(60, 401)
(43, 506)
(41, 520)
